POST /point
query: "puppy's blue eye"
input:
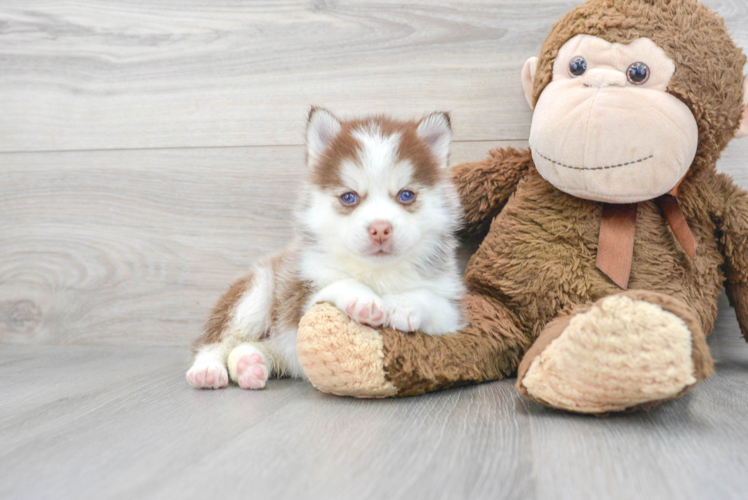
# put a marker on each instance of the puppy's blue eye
(349, 198)
(406, 196)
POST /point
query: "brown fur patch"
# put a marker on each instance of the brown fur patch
(289, 297)
(418, 363)
(326, 173)
(486, 185)
(426, 171)
(291, 294)
(345, 147)
(731, 214)
(222, 313)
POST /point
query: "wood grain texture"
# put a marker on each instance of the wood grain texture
(79, 422)
(99, 75)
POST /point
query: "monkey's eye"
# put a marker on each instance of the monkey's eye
(349, 198)
(638, 73)
(577, 66)
(406, 196)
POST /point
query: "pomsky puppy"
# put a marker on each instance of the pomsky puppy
(375, 237)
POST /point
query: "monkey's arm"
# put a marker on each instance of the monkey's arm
(733, 219)
(486, 185)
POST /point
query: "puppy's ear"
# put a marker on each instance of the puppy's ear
(321, 129)
(436, 132)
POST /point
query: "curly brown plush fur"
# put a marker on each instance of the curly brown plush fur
(536, 266)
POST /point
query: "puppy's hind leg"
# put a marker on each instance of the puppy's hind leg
(250, 365)
(241, 315)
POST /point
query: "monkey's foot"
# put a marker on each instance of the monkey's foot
(340, 356)
(624, 352)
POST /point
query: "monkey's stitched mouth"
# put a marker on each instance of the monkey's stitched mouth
(607, 167)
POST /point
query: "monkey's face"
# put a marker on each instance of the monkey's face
(604, 128)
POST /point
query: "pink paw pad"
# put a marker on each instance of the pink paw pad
(251, 372)
(368, 313)
(208, 377)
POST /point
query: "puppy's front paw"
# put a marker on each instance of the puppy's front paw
(208, 375)
(402, 316)
(366, 310)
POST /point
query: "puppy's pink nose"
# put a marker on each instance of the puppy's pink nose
(380, 231)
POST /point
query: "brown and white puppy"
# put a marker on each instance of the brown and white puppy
(375, 236)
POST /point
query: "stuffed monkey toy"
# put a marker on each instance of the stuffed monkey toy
(606, 243)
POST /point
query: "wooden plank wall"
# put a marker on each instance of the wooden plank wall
(150, 151)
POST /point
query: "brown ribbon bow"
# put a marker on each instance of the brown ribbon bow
(615, 252)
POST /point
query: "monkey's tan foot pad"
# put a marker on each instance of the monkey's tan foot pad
(340, 356)
(624, 352)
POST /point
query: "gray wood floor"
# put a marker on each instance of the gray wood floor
(120, 422)
(150, 151)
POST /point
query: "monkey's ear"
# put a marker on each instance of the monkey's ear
(321, 129)
(743, 127)
(528, 78)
